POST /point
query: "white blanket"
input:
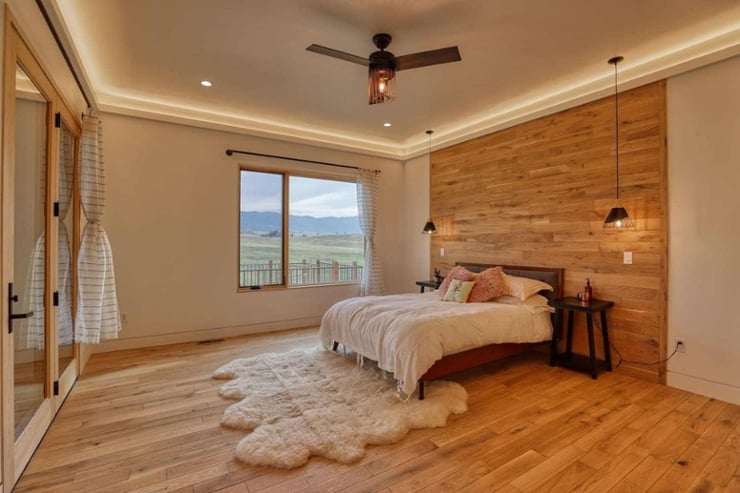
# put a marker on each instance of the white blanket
(407, 333)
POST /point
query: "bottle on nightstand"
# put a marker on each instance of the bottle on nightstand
(587, 290)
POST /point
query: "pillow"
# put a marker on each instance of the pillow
(459, 273)
(523, 287)
(537, 303)
(507, 299)
(534, 304)
(489, 284)
(459, 291)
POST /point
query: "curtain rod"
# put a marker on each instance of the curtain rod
(54, 33)
(230, 152)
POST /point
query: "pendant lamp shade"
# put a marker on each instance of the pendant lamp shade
(617, 217)
(429, 228)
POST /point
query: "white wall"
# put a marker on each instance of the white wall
(704, 229)
(172, 216)
(416, 207)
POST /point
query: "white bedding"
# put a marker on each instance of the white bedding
(407, 333)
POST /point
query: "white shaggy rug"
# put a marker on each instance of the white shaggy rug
(317, 402)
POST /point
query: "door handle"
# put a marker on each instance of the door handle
(13, 298)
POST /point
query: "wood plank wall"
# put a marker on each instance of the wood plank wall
(538, 193)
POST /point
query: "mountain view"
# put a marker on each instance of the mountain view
(265, 222)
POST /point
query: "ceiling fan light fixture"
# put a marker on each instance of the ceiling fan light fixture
(381, 82)
(382, 65)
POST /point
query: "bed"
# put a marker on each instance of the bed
(418, 338)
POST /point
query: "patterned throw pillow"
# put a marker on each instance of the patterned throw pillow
(489, 284)
(457, 273)
(459, 291)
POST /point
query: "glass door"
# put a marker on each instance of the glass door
(39, 231)
(28, 290)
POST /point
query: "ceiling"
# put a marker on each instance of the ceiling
(520, 59)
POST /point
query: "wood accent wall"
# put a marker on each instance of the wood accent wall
(538, 193)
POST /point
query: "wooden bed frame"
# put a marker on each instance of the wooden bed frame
(492, 352)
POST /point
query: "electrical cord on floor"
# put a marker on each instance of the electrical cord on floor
(622, 360)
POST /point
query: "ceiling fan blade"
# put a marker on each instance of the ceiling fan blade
(425, 58)
(323, 50)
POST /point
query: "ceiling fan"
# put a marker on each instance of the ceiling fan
(382, 65)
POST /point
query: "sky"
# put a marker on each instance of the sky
(262, 192)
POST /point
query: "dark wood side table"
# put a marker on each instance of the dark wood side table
(568, 359)
(427, 284)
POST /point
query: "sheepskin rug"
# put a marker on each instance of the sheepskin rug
(316, 402)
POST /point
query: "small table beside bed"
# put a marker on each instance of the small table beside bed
(419, 337)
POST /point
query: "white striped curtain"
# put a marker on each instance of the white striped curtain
(64, 268)
(32, 331)
(98, 317)
(33, 299)
(35, 278)
(367, 206)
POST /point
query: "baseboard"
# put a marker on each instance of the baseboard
(716, 390)
(202, 334)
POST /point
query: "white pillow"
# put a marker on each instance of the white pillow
(535, 303)
(507, 299)
(523, 287)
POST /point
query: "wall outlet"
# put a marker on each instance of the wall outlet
(441, 252)
(628, 258)
(680, 345)
(124, 317)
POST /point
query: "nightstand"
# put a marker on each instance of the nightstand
(427, 284)
(589, 308)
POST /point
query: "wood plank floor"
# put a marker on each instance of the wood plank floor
(148, 421)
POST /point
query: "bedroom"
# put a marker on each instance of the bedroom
(193, 296)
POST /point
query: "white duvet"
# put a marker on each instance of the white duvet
(407, 333)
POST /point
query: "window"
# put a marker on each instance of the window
(323, 243)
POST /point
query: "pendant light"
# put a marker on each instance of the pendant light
(617, 217)
(429, 228)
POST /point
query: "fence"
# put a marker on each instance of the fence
(318, 272)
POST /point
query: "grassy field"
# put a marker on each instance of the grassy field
(345, 249)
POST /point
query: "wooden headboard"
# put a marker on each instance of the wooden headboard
(552, 276)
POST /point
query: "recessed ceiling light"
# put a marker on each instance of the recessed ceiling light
(206, 83)
(387, 124)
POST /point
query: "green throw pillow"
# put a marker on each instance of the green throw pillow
(459, 291)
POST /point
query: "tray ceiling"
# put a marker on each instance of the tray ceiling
(519, 60)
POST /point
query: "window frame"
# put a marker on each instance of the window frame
(286, 174)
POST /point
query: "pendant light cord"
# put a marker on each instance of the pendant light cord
(429, 133)
(616, 123)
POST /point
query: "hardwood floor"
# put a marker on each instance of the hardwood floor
(147, 421)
